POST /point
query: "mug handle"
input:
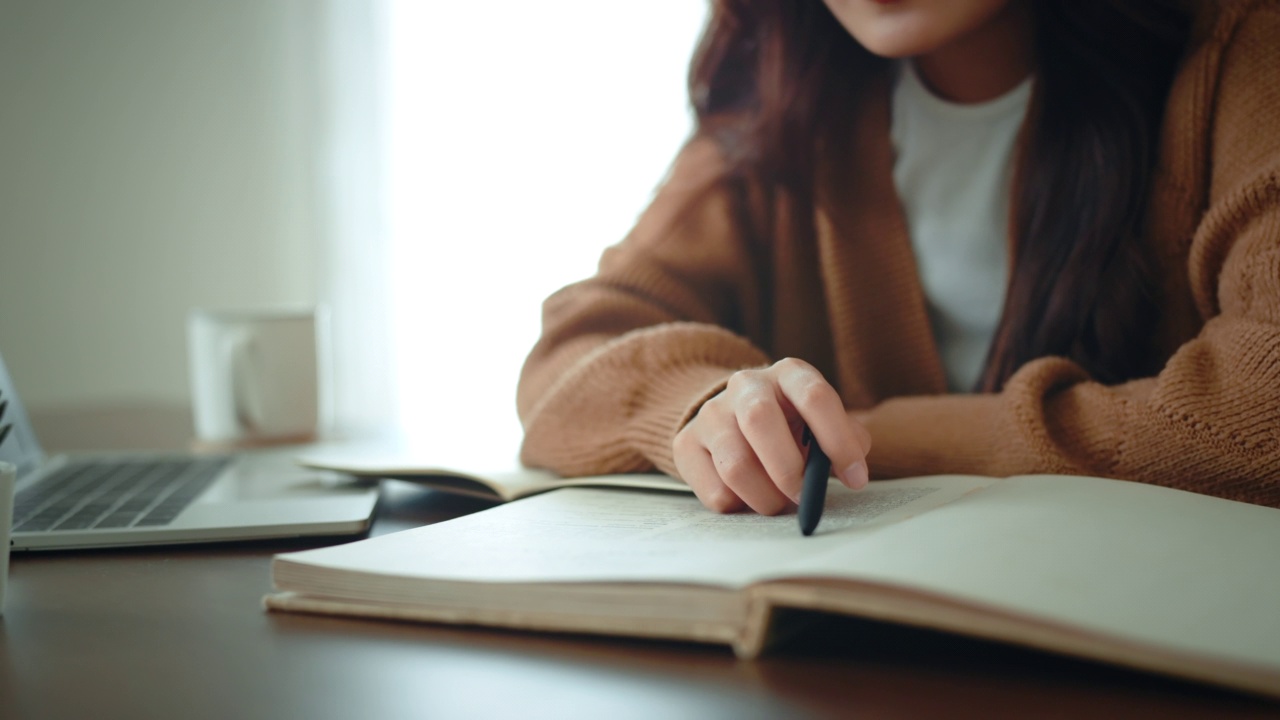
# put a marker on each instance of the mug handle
(246, 397)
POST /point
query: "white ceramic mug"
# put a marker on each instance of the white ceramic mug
(256, 375)
(8, 478)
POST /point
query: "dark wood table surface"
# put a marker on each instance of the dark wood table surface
(181, 633)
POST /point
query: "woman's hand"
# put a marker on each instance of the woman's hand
(743, 447)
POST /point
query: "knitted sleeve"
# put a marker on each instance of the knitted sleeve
(1210, 421)
(627, 356)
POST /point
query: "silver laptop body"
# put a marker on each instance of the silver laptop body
(122, 499)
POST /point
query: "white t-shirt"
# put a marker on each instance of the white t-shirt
(953, 171)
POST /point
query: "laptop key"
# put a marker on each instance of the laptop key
(38, 522)
(172, 505)
(114, 494)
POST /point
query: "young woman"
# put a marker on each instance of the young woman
(951, 236)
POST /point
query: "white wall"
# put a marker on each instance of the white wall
(520, 147)
(155, 155)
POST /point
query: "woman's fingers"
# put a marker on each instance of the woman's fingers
(742, 446)
(763, 423)
(741, 471)
(698, 472)
(714, 459)
(846, 443)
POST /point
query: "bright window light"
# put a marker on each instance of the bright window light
(523, 139)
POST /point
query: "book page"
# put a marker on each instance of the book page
(1126, 559)
(588, 535)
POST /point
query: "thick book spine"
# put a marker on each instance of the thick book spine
(767, 623)
(655, 628)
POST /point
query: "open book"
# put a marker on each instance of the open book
(1137, 575)
(504, 481)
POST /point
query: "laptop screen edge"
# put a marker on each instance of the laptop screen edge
(18, 443)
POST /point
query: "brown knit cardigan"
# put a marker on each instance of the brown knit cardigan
(628, 356)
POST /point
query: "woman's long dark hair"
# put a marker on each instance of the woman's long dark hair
(773, 81)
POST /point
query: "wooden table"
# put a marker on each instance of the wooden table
(180, 633)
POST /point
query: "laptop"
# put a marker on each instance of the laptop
(124, 499)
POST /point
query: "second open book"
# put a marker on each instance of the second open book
(1121, 572)
(498, 480)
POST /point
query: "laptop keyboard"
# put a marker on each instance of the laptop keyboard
(113, 493)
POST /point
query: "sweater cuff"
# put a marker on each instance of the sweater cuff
(671, 402)
(618, 409)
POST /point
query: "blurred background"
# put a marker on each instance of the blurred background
(428, 170)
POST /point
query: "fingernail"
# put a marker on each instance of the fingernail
(856, 475)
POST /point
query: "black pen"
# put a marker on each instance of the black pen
(814, 492)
